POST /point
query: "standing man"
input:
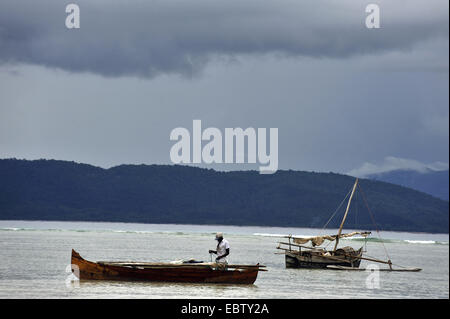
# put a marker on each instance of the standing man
(223, 249)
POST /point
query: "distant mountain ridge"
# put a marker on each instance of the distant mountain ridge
(429, 181)
(61, 190)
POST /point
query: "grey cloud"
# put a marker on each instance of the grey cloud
(147, 38)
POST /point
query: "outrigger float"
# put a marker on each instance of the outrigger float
(297, 255)
(190, 272)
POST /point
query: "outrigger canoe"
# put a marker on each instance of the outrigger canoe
(346, 258)
(164, 272)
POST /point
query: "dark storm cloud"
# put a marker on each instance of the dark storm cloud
(146, 38)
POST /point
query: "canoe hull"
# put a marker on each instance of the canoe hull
(316, 261)
(87, 270)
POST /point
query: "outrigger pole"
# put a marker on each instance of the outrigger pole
(345, 215)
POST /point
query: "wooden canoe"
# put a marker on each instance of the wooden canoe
(317, 259)
(164, 272)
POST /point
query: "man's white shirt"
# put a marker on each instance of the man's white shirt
(222, 249)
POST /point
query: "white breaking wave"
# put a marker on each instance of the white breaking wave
(270, 235)
(206, 233)
(359, 238)
(421, 241)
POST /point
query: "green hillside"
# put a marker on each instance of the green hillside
(60, 190)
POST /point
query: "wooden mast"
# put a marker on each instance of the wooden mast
(345, 215)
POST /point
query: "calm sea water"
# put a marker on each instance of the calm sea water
(34, 256)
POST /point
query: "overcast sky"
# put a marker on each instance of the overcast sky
(343, 97)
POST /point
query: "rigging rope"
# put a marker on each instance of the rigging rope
(373, 221)
(356, 209)
(329, 220)
(332, 216)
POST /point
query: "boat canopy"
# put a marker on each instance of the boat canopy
(318, 240)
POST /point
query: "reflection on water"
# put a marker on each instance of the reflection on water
(128, 289)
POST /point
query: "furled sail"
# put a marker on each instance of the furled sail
(318, 240)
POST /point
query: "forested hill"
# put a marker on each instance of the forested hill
(60, 190)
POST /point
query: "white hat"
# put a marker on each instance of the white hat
(219, 235)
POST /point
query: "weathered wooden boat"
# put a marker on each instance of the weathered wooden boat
(164, 272)
(299, 256)
(321, 258)
(346, 258)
